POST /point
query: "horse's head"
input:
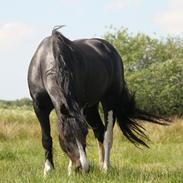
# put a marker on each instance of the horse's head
(72, 138)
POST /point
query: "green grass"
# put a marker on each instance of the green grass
(22, 156)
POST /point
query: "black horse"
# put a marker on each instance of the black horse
(73, 77)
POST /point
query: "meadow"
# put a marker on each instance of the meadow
(22, 155)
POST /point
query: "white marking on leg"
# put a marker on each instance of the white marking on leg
(83, 159)
(70, 167)
(108, 138)
(47, 168)
(101, 154)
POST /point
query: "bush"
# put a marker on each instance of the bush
(153, 70)
(159, 88)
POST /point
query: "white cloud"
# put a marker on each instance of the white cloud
(117, 5)
(18, 42)
(14, 34)
(171, 18)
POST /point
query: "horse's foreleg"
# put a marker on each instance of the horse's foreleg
(43, 116)
(108, 138)
(70, 167)
(101, 153)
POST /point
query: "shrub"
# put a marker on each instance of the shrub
(153, 70)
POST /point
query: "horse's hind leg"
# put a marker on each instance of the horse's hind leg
(42, 108)
(94, 120)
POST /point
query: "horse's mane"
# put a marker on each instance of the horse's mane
(62, 51)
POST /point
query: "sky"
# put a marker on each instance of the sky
(23, 24)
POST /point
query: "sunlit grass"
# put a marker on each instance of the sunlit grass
(22, 156)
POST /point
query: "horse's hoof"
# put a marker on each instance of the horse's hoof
(47, 168)
(106, 167)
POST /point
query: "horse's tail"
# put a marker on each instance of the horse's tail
(68, 107)
(128, 116)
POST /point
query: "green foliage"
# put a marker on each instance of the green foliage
(21, 103)
(153, 70)
(159, 88)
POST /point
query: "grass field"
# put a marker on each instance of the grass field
(22, 156)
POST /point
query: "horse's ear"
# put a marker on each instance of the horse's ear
(64, 110)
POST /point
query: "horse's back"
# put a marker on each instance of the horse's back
(103, 67)
(100, 55)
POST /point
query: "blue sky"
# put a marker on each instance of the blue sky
(23, 24)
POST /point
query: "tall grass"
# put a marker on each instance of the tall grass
(22, 156)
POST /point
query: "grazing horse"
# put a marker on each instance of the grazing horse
(73, 77)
